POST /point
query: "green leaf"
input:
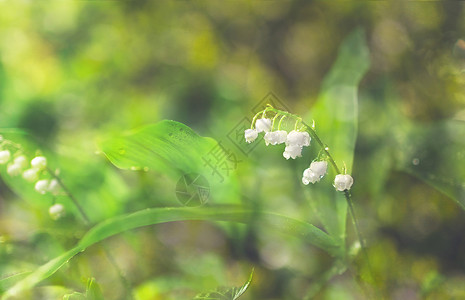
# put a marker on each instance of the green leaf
(336, 116)
(108, 228)
(168, 146)
(9, 281)
(226, 293)
(74, 296)
(93, 291)
(175, 150)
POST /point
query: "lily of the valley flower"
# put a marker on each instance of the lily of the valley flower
(250, 135)
(41, 186)
(275, 137)
(5, 156)
(343, 182)
(298, 138)
(39, 163)
(315, 172)
(292, 151)
(263, 125)
(56, 211)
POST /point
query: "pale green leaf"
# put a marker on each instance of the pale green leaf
(336, 116)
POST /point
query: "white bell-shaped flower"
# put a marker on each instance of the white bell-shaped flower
(275, 137)
(5, 156)
(39, 163)
(56, 211)
(21, 161)
(298, 138)
(54, 187)
(292, 151)
(250, 135)
(315, 172)
(343, 182)
(41, 186)
(263, 125)
(13, 169)
(31, 175)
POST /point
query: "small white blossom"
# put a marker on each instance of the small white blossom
(343, 182)
(21, 161)
(315, 172)
(56, 211)
(250, 135)
(275, 137)
(292, 151)
(41, 186)
(298, 138)
(263, 125)
(5, 156)
(54, 187)
(13, 169)
(31, 175)
(39, 163)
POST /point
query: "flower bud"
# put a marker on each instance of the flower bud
(343, 182)
(292, 151)
(263, 125)
(39, 163)
(5, 156)
(41, 186)
(250, 135)
(56, 211)
(31, 175)
(315, 172)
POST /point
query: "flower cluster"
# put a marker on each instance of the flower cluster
(34, 170)
(295, 140)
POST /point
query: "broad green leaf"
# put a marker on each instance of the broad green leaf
(168, 146)
(173, 149)
(336, 115)
(108, 228)
(226, 293)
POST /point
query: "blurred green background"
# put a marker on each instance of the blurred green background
(75, 72)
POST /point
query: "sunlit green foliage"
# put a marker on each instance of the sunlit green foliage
(127, 100)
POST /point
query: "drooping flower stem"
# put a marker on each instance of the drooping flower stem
(325, 148)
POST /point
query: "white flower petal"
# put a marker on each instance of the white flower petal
(13, 169)
(56, 211)
(343, 182)
(41, 186)
(31, 175)
(298, 138)
(5, 156)
(250, 135)
(39, 163)
(263, 125)
(292, 151)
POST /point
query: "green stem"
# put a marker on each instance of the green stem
(86, 219)
(333, 163)
(73, 199)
